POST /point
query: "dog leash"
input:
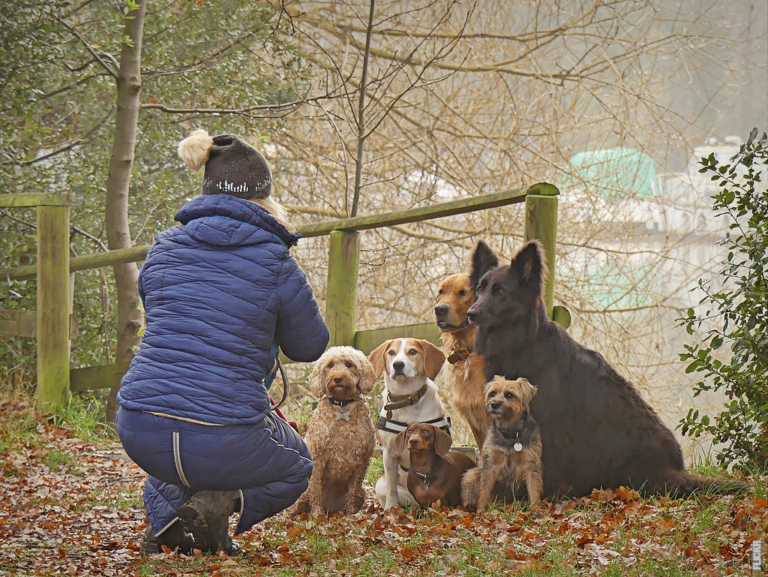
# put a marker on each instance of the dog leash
(286, 385)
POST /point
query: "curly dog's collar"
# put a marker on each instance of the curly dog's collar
(341, 402)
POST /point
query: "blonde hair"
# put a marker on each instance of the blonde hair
(272, 206)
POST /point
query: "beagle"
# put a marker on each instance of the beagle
(409, 396)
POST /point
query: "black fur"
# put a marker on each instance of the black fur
(482, 261)
(596, 430)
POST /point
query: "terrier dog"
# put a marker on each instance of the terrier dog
(409, 396)
(436, 471)
(512, 450)
(340, 435)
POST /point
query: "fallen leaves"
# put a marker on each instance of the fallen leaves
(54, 522)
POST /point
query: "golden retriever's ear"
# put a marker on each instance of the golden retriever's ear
(377, 358)
(434, 358)
(529, 390)
(399, 444)
(316, 380)
(443, 442)
(368, 376)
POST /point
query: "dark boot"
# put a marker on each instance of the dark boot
(173, 537)
(206, 516)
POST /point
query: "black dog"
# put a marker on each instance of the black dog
(596, 429)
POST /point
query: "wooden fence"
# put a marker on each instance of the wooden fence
(51, 324)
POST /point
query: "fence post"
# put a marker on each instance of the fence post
(341, 288)
(541, 223)
(52, 304)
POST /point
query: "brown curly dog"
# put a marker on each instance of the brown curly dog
(340, 434)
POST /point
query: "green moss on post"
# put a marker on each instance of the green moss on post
(341, 291)
(52, 305)
(541, 224)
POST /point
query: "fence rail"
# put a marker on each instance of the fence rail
(54, 266)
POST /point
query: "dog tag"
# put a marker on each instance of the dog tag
(518, 446)
(341, 415)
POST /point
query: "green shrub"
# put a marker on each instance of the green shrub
(740, 312)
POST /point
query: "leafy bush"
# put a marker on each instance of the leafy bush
(739, 311)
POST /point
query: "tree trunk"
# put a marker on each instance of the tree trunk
(129, 317)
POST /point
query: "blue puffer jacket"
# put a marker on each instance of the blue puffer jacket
(219, 291)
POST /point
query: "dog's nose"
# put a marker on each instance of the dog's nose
(398, 365)
(495, 405)
(441, 310)
(338, 380)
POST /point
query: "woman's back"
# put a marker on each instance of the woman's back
(218, 291)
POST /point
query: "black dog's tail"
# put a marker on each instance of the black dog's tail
(683, 484)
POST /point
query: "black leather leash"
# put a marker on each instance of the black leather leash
(286, 385)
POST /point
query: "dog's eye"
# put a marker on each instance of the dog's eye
(491, 394)
(462, 293)
(391, 353)
(510, 396)
(440, 292)
(412, 352)
(348, 365)
(330, 365)
(497, 290)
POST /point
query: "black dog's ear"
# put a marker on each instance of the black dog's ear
(483, 260)
(530, 266)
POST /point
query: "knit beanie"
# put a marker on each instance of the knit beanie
(232, 166)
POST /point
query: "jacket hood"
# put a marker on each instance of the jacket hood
(225, 220)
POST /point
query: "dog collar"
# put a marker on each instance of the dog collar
(401, 401)
(515, 434)
(340, 402)
(459, 355)
(426, 478)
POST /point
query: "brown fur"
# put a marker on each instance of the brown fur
(454, 298)
(429, 360)
(431, 456)
(341, 449)
(503, 470)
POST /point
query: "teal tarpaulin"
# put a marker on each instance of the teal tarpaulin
(613, 173)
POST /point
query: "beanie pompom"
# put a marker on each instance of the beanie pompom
(195, 149)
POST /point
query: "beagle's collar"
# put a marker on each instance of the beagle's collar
(459, 355)
(401, 401)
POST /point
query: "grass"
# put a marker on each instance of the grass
(56, 460)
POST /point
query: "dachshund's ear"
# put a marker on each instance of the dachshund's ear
(443, 442)
(483, 260)
(434, 359)
(399, 444)
(377, 358)
(368, 376)
(316, 380)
